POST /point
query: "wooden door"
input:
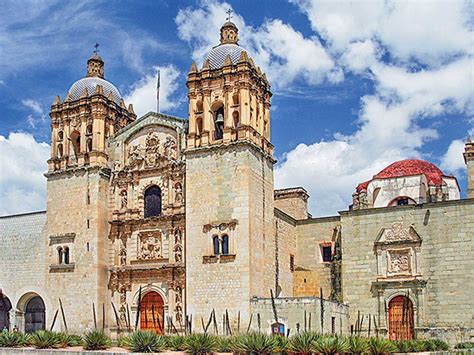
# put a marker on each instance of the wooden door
(151, 313)
(401, 318)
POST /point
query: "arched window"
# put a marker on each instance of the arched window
(235, 116)
(35, 315)
(89, 129)
(66, 255)
(199, 106)
(225, 244)
(215, 242)
(60, 135)
(76, 142)
(89, 144)
(199, 126)
(60, 150)
(152, 202)
(60, 255)
(236, 98)
(219, 123)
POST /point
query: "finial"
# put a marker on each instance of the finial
(229, 15)
(96, 51)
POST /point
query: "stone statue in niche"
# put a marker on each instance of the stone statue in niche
(123, 199)
(170, 148)
(150, 246)
(179, 314)
(399, 262)
(397, 232)
(135, 156)
(123, 256)
(178, 236)
(179, 295)
(178, 193)
(178, 253)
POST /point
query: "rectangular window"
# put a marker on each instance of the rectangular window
(326, 253)
(333, 325)
(292, 263)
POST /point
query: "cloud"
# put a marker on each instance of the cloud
(143, 93)
(33, 120)
(34, 105)
(453, 161)
(282, 52)
(399, 116)
(20, 192)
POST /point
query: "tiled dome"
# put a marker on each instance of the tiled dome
(218, 54)
(77, 89)
(411, 167)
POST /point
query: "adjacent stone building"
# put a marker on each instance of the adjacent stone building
(175, 223)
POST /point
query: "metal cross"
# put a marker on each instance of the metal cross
(96, 48)
(229, 14)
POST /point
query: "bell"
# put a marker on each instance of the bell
(220, 118)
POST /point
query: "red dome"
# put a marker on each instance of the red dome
(408, 167)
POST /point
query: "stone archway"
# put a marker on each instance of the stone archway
(152, 312)
(35, 314)
(5, 308)
(401, 318)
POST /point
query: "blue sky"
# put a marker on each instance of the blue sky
(357, 85)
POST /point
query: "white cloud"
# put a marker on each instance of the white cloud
(20, 191)
(282, 52)
(143, 93)
(34, 105)
(453, 161)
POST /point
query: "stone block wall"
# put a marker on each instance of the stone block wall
(442, 294)
(291, 312)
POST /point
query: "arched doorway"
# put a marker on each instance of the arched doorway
(5, 307)
(401, 318)
(151, 312)
(35, 315)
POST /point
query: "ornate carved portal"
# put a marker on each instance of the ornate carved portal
(152, 313)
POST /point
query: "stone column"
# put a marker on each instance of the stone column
(469, 159)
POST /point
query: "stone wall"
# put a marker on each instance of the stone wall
(22, 270)
(312, 273)
(228, 191)
(285, 252)
(291, 312)
(438, 279)
(292, 201)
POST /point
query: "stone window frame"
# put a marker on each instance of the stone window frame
(62, 242)
(219, 230)
(322, 245)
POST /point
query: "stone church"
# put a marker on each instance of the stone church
(175, 223)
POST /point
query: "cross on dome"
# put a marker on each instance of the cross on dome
(229, 15)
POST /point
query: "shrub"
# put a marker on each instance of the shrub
(96, 340)
(410, 346)
(381, 346)
(175, 342)
(226, 344)
(282, 344)
(331, 345)
(255, 343)
(302, 343)
(200, 343)
(358, 345)
(13, 339)
(74, 340)
(465, 345)
(44, 339)
(123, 341)
(435, 345)
(144, 342)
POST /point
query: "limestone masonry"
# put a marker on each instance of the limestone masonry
(176, 223)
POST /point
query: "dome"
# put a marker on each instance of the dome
(410, 167)
(77, 89)
(218, 54)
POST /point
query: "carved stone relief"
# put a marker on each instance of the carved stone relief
(150, 247)
(397, 232)
(153, 154)
(398, 262)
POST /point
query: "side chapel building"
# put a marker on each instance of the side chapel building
(175, 219)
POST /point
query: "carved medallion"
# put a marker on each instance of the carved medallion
(150, 246)
(399, 261)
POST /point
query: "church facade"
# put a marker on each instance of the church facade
(175, 223)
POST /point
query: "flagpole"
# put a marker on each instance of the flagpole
(158, 93)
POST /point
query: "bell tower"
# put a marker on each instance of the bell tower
(229, 182)
(77, 196)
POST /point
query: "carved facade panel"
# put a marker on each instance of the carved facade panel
(150, 245)
(399, 262)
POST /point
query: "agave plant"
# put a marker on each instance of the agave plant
(74, 340)
(435, 345)
(96, 340)
(282, 344)
(331, 345)
(302, 343)
(358, 345)
(13, 339)
(226, 344)
(175, 342)
(144, 342)
(44, 339)
(256, 343)
(381, 346)
(200, 343)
